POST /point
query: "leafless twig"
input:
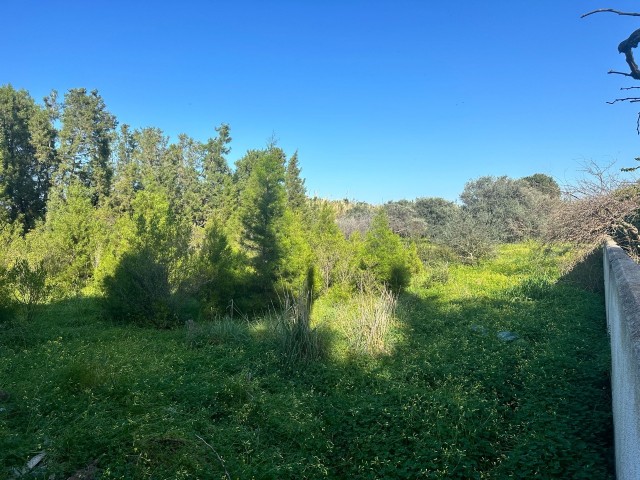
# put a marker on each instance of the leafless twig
(217, 455)
(628, 99)
(599, 205)
(611, 10)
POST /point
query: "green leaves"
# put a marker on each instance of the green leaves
(383, 254)
(86, 138)
(262, 207)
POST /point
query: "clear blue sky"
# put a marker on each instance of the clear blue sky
(383, 99)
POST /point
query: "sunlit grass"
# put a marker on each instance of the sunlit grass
(444, 398)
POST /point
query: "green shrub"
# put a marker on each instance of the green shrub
(139, 291)
(383, 254)
(28, 285)
(6, 306)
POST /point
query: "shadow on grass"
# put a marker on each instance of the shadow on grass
(450, 400)
(587, 272)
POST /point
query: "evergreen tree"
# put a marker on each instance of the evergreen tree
(86, 139)
(27, 156)
(216, 264)
(296, 191)
(149, 154)
(328, 244)
(262, 210)
(67, 241)
(217, 178)
(127, 179)
(179, 176)
(383, 254)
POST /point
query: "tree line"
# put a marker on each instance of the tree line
(165, 230)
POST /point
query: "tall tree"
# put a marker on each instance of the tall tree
(216, 173)
(86, 139)
(179, 175)
(296, 191)
(149, 154)
(127, 171)
(27, 156)
(262, 210)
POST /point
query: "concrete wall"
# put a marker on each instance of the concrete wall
(622, 290)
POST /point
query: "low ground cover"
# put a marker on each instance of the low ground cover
(444, 397)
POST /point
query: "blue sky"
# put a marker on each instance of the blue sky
(383, 99)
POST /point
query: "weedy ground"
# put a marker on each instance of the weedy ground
(436, 394)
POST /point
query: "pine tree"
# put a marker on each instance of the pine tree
(86, 139)
(383, 254)
(127, 179)
(262, 210)
(296, 191)
(27, 156)
(217, 178)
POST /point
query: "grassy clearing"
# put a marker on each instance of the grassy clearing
(444, 398)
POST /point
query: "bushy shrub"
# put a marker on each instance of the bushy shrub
(383, 254)
(6, 305)
(66, 242)
(28, 285)
(214, 278)
(139, 291)
(469, 237)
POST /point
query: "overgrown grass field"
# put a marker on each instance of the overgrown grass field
(437, 394)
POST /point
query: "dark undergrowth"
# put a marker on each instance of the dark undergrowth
(447, 399)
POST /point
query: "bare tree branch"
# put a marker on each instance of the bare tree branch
(619, 73)
(611, 10)
(629, 99)
(600, 204)
(625, 47)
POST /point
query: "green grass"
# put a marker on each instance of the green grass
(448, 400)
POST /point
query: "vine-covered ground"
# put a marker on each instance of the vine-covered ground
(446, 398)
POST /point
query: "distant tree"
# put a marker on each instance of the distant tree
(127, 175)
(294, 184)
(544, 184)
(27, 156)
(436, 213)
(149, 154)
(404, 220)
(179, 176)
(512, 209)
(470, 236)
(218, 181)
(215, 279)
(356, 218)
(86, 140)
